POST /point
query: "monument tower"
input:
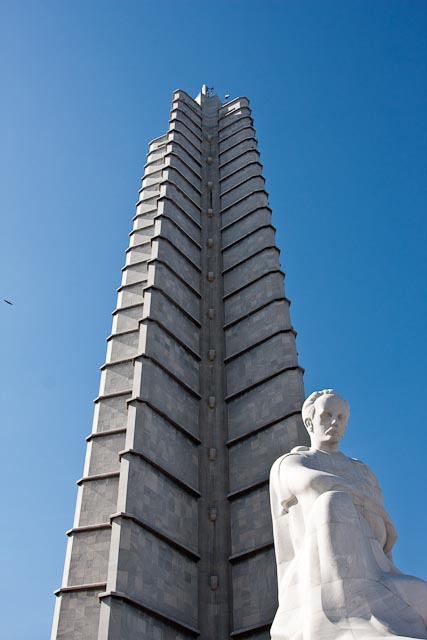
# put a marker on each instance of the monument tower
(200, 392)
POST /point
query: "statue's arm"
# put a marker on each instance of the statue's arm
(378, 505)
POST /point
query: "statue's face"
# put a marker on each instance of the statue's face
(329, 421)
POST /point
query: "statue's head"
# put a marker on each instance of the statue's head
(325, 415)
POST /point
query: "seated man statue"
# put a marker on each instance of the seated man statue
(333, 541)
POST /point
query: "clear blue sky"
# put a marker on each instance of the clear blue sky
(338, 91)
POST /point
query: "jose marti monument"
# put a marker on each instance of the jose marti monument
(201, 391)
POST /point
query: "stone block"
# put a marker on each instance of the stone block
(163, 310)
(257, 326)
(254, 590)
(162, 503)
(165, 349)
(104, 453)
(250, 269)
(262, 238)
(152, 571)
(239, 191)
(79, 616)
(261, 361)
(176, 402)
(111, 413)
(89, 559)
(171, 285)
(253, 296)
(268, 402)
(178, 263)
(99, 500)
(160, 441)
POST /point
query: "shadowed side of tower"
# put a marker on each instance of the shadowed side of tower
(201, 390)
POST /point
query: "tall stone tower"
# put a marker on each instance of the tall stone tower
(200, 392)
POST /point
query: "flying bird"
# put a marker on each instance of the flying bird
(7, 301)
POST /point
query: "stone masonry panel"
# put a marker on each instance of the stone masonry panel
(254, 606)
(251, 521)
(267, 358)
(257, 326)
(267, 402)
(155, 573)
(162, 503)
(160, 441)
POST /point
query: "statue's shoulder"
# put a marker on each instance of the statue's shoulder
(366, 469)
(292, 456)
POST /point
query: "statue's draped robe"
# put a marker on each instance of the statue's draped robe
(333, 543)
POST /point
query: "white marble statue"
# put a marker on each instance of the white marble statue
(333, 541)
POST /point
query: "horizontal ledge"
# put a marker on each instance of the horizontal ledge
(159, 534)
(235, 145)
(181, 133)
(127, 306)
(237, 354)
(163, 367)
(177, 275)
(122, 333)
(179, 102)
(177, 109)
(113, 363)
(254, 385)
(178, 144)
(115, 394)
(243, 166)
(134, 264)
(169, 182)
(245, 197)
(246, 215)
(184, 124)
(81, 587)
(230, 135)
(248, 235)
(171, 167)
(162, 137)
(231, 323)
(178, 226)
(170, 333)
(143, 282)
(261, 427)
(238, 155)
(138, 604)
(249, 257)
(184, 485)
(251, 282)
(250, 487)
(160, 236)
(241, 118)
(132, 247)
(171, 421)
(100, 434)
(146, 215)
(88, 527)
(230, 102)
(191, 104)
(98, 476)
(154, 287)
(166, 197)
(237, 557)
(244, 631)
(239, 184)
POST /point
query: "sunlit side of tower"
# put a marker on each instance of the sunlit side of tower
(200, 392)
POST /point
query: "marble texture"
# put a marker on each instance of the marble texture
(333, 542)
